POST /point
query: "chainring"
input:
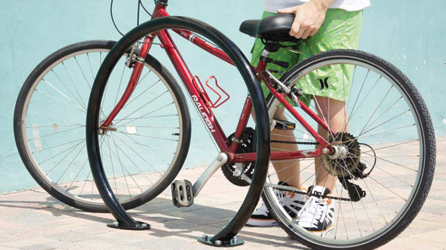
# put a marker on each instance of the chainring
(345, 167)
(247, 146)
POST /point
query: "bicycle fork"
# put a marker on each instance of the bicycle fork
(137, 63)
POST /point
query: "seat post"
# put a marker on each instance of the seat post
(272, 46)
(265, 55)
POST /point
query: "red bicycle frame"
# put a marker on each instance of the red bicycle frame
(204, 107)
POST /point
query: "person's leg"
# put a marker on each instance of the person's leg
(286, 172)
(334, 112)
(340, 30)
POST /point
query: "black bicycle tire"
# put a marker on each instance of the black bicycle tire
(47, 62)
(427, 130)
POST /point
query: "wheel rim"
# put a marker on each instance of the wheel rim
(74, 97)
(335, 240)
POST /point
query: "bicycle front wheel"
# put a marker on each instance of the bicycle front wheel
(49, 128)
(382, 123)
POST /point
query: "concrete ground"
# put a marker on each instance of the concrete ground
(32, 219)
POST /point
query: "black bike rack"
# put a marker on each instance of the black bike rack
(124, 221)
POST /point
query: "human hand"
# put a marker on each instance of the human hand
(308, 17)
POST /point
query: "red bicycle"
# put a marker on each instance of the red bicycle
(383, 156)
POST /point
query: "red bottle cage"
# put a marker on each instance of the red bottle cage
(204, 94)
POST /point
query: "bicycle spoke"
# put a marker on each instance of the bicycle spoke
(154, 148)
(363, 101)
(353, 209)
(387, 188)
(142, 106)
(359, 94)
(129, 174)
(359, 195)
(52, 112)
(50, 119)
(141, 117)
(137, 154)
(391, 146)
(382, 115)
(374, 112)
(147, 149)
(58, 132)
(77, 175)
(122, 165)
(391, 119)
(54, 98)
(113, 167)
(65, 96)
(91, 68)
(85, 183)
(54, 156)
(57, 164)
(69, 165)
(119, 86)
(58, 126)
(83, 74)
(128, 103)
(381, 200)
(147, 117)
(59, 145)
(387, 131)
(391, 162)
(147, 136)
(75, 88)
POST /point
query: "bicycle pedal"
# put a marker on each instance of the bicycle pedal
(284, 125)
(182, 193)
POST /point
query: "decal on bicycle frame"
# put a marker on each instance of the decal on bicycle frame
(203, 114)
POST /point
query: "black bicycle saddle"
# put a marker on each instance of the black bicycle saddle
(272, 28)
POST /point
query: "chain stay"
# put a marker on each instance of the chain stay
(303, 192)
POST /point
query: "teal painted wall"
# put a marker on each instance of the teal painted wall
(410, 34)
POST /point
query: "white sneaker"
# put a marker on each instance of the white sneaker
(291, 202)
(317, 216)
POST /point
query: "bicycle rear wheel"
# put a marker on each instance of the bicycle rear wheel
(386, 126)
(49, 128)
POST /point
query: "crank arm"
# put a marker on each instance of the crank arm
(221, 160)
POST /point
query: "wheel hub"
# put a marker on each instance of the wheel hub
(344, 160)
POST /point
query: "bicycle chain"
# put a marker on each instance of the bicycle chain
(303, 192)
(296, 142)
(323, 196)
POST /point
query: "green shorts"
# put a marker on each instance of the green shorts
(340, 30)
